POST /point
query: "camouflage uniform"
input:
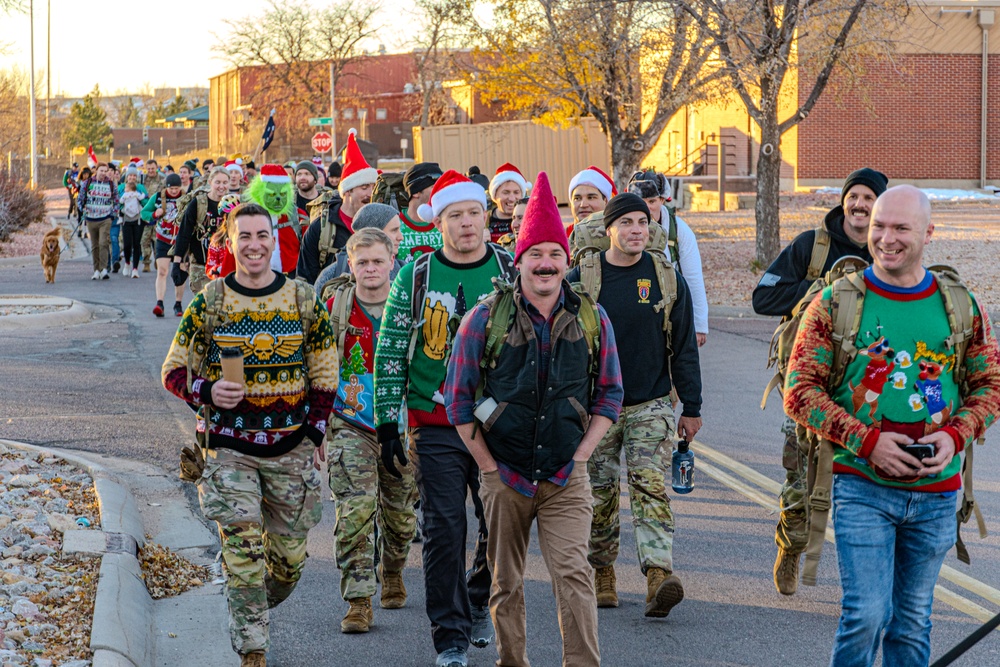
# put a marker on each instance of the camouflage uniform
(645, 432)
(264, 508)
(508, 242)
(153, 185)
(792, 532)
(197, 279)
(363, 489)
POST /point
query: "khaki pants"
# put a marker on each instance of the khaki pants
(100, 242)
(563, 514)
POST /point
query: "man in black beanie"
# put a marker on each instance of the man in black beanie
(419, 236)
(333, 175)
(808, 257)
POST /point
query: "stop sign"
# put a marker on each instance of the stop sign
(322, 142)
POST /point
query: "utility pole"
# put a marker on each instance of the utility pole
(48, 75)
(333, 112)
(34, 119)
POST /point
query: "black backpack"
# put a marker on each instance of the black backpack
(389, 190)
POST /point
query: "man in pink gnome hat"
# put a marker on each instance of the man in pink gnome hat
(559, 341)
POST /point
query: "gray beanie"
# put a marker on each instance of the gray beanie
(373, 215)
(308, 166)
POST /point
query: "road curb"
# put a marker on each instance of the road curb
(122, 634)
(77, 313)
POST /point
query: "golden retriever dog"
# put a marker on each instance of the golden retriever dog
(50, 253)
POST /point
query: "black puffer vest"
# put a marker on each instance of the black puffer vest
(535, 430)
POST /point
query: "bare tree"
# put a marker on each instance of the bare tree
(15, 131)
(631, 64)
(760, 41)
(442, 28)
(297, 44)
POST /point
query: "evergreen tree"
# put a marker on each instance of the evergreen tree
(127, 113)
(354, 364)
(88, 124)
(177, 105)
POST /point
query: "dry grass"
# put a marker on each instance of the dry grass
(964, 238)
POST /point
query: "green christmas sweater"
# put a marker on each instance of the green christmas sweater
(452, 290)
(418, 238)
(901, 380)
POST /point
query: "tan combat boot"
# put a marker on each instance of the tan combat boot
(663, 592)
(786, 572)
(605, 586)
(358, 617)
(393, 590)
(255, 659)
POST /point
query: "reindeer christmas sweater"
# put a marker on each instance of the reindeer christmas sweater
(279, 408)
(900, 381)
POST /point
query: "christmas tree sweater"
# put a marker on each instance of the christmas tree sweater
(418, 238)
(900, 381)
(355, 401)
(277, 411)
(452, 290)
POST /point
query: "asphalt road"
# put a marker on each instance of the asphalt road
(95, 387)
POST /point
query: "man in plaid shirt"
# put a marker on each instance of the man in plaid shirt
(544, 382)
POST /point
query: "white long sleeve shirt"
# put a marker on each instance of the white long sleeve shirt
(690, 267)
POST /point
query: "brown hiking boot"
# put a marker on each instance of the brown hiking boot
(664, 592)
(145, 267)
(255, 659)
(605, 586)
(358, 617)
(393, 590)
(786, 572)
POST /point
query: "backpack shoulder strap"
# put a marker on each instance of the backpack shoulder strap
(320, 209)
(589, 318)
(215, 295)
(820, 251)
(590, 273)
(507, 270)
(846, 303)
(340, 314)
(583, 241)
(667, 280)
(675, 253)
(418, 288)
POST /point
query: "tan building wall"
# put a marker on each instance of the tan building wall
(561, 153)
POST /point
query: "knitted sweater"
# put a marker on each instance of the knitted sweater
(277, 411)
(418, 238)
(453, 289)
(901, 381)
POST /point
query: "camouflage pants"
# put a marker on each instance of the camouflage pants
(148, 235)
(264, 508)
(644, 432)
(793, 526)
(366, 492)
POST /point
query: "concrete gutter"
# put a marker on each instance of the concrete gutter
(71, 312)
(123, 632)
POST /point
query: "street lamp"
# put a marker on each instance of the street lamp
(34, 119)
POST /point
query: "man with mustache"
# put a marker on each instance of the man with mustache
(808, 257)
(332, 217)
(549, 394)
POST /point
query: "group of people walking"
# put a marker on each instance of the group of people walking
(433, 340)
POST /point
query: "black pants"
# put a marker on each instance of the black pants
(132, 241)
(444, 472)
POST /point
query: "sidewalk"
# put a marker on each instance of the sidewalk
(139, 501)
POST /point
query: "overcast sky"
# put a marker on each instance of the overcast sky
(113, 43)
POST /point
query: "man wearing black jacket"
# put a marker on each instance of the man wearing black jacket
(844, 232)
(633, 291)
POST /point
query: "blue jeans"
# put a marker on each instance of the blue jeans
(890, 544)
(116, 228)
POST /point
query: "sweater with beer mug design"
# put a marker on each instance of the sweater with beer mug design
(452, 289)
(901, 380)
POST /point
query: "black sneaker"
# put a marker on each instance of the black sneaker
(158, 309)
(115, 267)
(178, 310)
(481, 634)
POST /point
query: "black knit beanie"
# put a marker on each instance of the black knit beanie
(626, 202)
(421, 176)
(875, 180)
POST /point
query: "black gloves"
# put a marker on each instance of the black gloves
(392, 448)
(178, 275)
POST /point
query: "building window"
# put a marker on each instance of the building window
(348, 114)
(381, 114)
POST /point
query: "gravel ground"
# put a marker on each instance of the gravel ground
(46, 599)
(963, 238)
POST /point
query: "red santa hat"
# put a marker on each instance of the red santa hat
(451, 188)
(596, 178)
(273, 173)
(542, 222)
(233, 165)
(508, 173)
(356, 171)
(136, 162)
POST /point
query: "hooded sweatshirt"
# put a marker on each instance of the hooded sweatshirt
(784, 283)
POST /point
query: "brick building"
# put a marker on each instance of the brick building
(378, 95)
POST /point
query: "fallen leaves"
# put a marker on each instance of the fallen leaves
(166, 574)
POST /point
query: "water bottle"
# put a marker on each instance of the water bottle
(683, 468)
